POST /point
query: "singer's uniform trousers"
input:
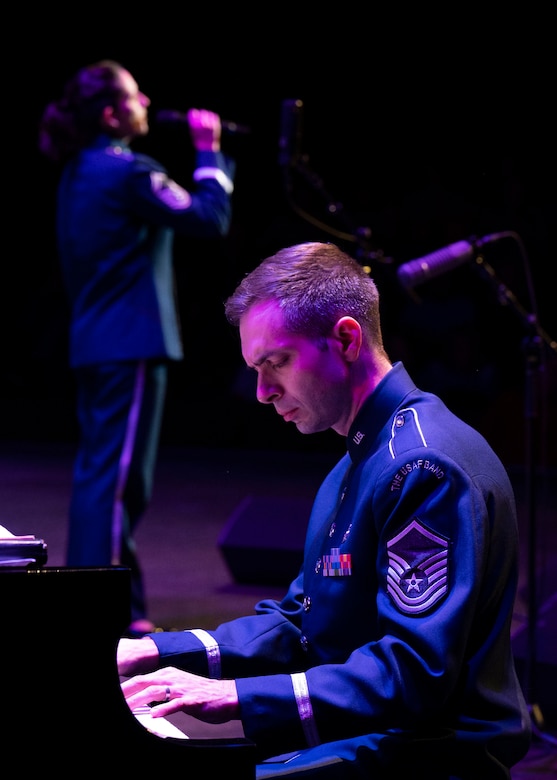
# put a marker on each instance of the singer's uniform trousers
(119, 409)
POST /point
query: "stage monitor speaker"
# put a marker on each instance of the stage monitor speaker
(262, 541)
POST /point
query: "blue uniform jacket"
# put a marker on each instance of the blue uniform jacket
(395, 638)
(117, 215)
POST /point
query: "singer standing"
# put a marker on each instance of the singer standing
(117, 213)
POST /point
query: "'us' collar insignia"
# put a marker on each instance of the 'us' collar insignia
(417, 577)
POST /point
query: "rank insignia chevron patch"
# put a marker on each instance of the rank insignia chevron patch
(417, 576)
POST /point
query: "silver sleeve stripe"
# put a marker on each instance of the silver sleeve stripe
(215, 173)
(305, 710)
(213, 651)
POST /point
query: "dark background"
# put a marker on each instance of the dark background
(419, 130)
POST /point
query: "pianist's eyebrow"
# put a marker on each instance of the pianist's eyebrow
(264, 358)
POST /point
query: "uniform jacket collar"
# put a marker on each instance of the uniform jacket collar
(377, 410)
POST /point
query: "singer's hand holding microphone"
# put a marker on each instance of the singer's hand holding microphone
(169, 116)
(205, 129)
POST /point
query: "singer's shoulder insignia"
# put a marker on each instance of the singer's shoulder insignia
(170, 193)
(418, 572)
(115, 150)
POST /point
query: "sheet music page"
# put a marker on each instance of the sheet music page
(5, 534)
(12, 546)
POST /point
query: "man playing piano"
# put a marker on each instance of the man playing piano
(390, 653)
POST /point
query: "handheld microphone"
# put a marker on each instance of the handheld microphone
(169, 116)
(429, 266)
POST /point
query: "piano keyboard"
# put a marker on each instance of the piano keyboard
(159, 726)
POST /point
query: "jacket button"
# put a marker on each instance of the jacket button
(307, 603)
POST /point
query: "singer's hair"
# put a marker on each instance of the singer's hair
(73, 121)
(315, 284)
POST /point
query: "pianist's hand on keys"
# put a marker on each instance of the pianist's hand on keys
(173, 690)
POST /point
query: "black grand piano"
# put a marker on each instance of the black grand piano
(62, 707)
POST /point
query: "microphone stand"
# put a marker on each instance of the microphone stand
(532, 344)
(360, 235)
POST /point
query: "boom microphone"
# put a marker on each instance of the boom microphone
(178, 117)
(423, 268)
(290, 137)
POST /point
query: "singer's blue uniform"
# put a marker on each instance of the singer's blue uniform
(390, 654)
(117, 214)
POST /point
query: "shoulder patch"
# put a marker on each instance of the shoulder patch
(169, 192)
(417, 576)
